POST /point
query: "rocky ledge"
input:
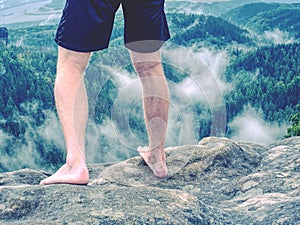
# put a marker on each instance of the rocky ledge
(217, 181)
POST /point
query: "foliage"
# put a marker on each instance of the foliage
(26, 94)
(261, 17)
(294, 130)
(241, 15)
(267, 78)
(199, 28)
(41, 36)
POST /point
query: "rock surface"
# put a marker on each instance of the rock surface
(217, 181)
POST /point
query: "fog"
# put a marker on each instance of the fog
(249, 126)
(202, 87)
(26, 152)
(278, 37)
(115, 139)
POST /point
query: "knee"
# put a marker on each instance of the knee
(70, 67)
(72, 62)
(147, 63)
(147, 68)
(67, 80)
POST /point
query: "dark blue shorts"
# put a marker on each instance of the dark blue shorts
(86, 25)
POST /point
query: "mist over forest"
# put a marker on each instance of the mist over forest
(232, 69)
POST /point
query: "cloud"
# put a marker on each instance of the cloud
(203, 86)
(37, 142)
(278, 37)
(249, 126)
(51, 130)
(200, 86)
(205, 68)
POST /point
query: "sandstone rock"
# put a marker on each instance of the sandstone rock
(217, 181)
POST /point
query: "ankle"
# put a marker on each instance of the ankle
(156, 156)
(76, 163)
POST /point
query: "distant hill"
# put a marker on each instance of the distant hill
(260, 17)
(190, 29)
(186, 30)
(40, 12)
(215, 8)
(243, 14)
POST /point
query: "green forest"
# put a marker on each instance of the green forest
(265, 77)
(261, 17)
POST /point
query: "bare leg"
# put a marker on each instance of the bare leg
(72, 108)
(156, 107)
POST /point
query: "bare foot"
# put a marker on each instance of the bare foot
(68, 175)
(156, 160)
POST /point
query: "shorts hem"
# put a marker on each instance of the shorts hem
(78, 49)
(143, 47)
